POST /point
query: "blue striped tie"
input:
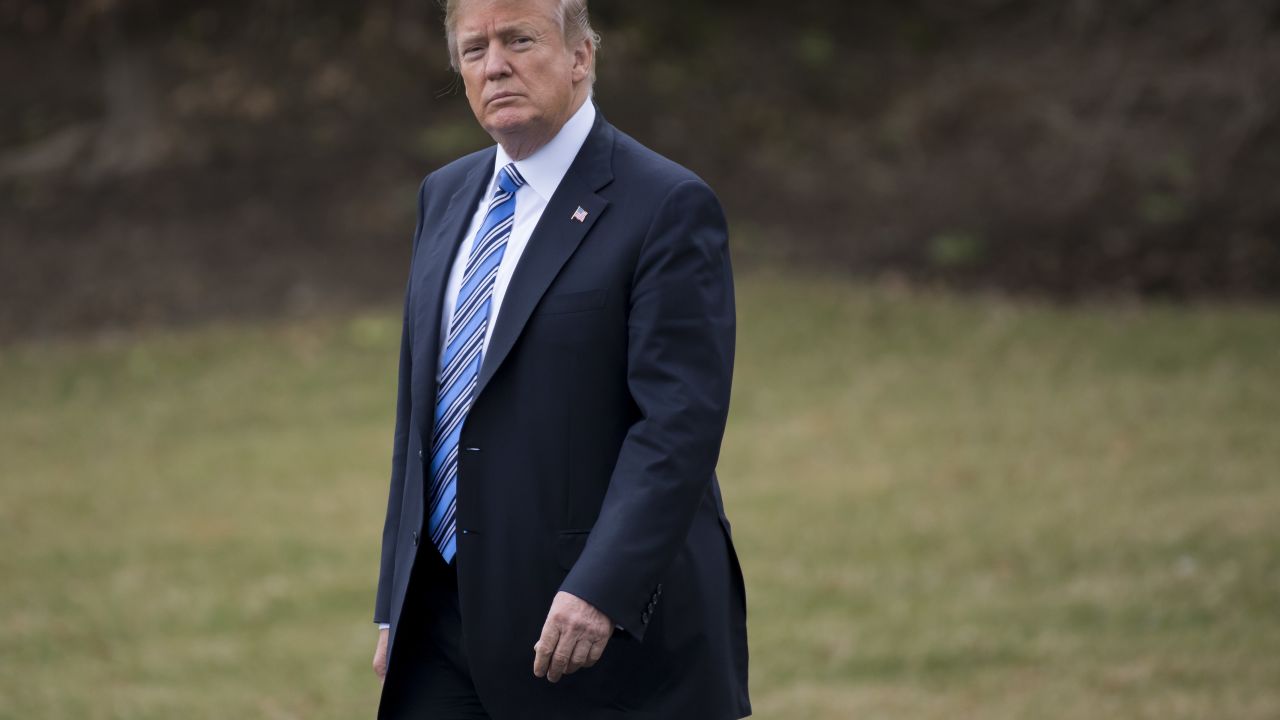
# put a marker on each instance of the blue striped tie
(463, 353)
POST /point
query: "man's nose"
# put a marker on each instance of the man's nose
(495, 62)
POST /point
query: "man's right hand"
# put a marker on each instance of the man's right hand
(380, 656)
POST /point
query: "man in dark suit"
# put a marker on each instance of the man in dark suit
(555, 542)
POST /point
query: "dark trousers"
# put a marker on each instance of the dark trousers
(429, 678)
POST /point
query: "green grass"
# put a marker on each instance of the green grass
(945, 507)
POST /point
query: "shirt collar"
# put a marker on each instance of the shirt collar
(544, 169)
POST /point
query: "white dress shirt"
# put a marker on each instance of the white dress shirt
(542, 172)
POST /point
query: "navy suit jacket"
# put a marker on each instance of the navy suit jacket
(588, 456)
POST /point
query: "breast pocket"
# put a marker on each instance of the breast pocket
(562, 303)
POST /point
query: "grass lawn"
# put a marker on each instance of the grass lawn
(946, 508)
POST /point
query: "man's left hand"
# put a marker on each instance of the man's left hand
(573, 637)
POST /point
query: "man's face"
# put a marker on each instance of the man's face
(521, 80)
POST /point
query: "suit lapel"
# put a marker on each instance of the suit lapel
(434, 278)
(556, 237)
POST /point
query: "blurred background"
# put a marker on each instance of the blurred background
(1005, 440)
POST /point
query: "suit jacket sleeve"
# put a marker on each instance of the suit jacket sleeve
(400, 441)
(679, 368)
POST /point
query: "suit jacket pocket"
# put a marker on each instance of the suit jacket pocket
(569, 545)
(571, 302)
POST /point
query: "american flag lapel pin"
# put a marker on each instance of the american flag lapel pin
(580, 214)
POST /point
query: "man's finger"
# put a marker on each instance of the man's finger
(597, 649)
(544, 647)
(581, 652)
(560, 657)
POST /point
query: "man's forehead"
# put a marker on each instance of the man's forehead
(505, 12)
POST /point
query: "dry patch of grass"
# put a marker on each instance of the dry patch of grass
(945, 508)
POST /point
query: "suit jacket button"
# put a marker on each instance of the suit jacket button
(420, 455)
(415, 538)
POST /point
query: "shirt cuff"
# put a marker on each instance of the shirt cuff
(384, 626)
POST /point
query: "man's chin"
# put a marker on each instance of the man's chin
(509, 122)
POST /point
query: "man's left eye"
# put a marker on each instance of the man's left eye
(522, 41)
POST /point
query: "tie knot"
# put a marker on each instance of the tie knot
(509, 178)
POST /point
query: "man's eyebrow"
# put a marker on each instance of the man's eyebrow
(515, 28)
